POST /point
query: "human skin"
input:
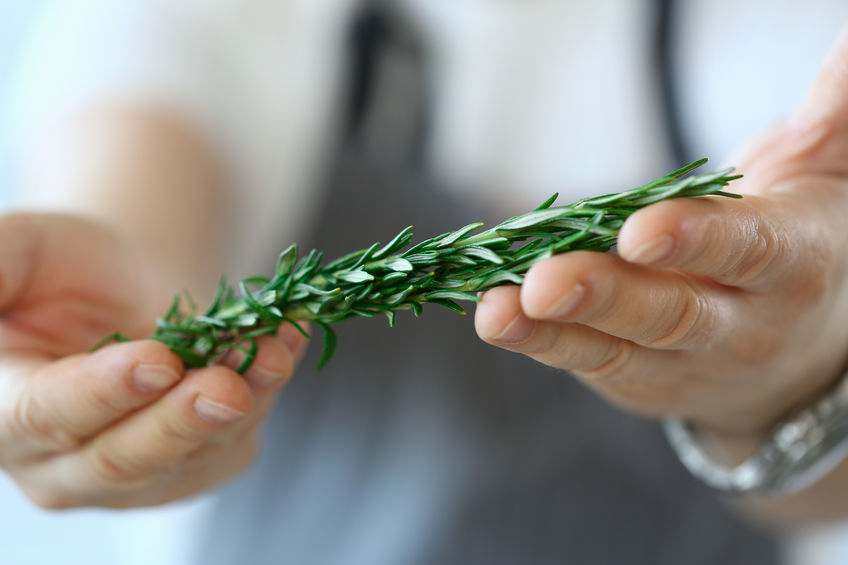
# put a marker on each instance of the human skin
(728, 313)
(125, 426)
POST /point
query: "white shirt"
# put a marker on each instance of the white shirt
(531, 96)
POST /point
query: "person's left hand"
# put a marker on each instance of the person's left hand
(127, 425)
(729, 313)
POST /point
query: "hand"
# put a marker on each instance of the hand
(729, 313)
(126, 425)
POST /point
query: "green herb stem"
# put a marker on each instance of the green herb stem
(384, 279)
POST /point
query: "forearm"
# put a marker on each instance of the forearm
(143, 173)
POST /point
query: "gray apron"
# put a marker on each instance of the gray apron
(423, 445)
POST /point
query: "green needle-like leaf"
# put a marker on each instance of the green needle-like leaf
(384, 280)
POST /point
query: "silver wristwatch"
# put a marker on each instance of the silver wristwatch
(800, 451)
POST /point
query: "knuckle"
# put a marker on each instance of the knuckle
(199, 457)
(684, 326)
(613, 367)
(103, 402)
(111, 471)
(603, 302)
(174, 431)
(29, 421)
(21, 418)
(759, 257)
(554, 345)
(542, 342)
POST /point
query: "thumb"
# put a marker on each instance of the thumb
(827, 100)
(814, 140)
(19, 249)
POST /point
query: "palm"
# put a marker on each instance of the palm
(126, 425)
(76, 282)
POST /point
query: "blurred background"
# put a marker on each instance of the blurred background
(17, 16)
(165, 535)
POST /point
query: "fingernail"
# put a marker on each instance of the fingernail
(518, 329)
(653, 251)
(568, 303)
(261, 378)
(152, 378)
(216, 413)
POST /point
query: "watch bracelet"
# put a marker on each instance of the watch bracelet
(799, 451)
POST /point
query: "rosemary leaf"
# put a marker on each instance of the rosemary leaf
(384, 280)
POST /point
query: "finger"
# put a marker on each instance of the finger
(657, 309)
(58, 405)
(827, 100)
(751, 243)
(155, 439)
(814, 140)
(648, 382)
(633, 377)
(202, 470)
(500, 321)
(295, 339)
(275, 361)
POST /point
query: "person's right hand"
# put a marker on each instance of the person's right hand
(126, 425)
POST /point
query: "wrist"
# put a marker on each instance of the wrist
(749, 416)
(795, 453)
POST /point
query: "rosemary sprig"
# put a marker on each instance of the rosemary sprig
(384, 279)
